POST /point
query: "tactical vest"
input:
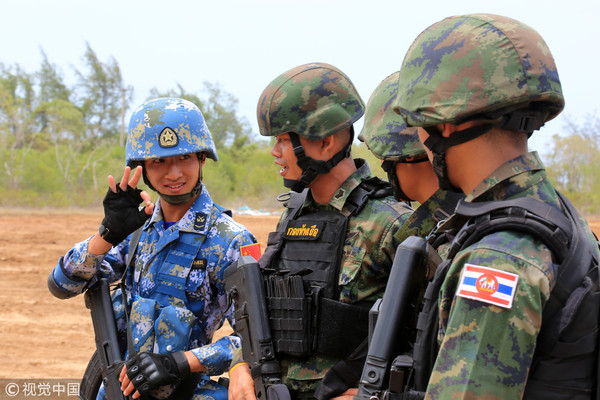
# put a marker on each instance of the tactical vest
(301, 271)
(166, 307)
(565, 362)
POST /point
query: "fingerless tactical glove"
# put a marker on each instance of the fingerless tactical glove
(148, 371)
(122, 215)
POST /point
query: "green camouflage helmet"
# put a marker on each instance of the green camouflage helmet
(478, 66)
(384, 132)
(313, 100)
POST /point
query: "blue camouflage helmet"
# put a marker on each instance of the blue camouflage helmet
(385, 132)
(167, 127)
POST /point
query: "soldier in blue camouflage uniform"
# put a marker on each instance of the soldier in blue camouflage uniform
(176, 293)
(310, 110)
(477, 86)
(405, 160)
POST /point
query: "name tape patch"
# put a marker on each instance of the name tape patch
(304, 230)
(488, 285)
(199, 263)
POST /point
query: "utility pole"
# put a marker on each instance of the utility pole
(122, 135)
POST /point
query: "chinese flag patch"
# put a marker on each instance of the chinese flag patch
(251, 250)
(488, 285)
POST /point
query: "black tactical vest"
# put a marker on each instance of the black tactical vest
(565, 362)
(301, 271)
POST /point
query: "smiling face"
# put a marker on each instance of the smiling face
(283, 151)
(173, 175)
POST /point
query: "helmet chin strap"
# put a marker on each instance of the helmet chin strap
(182, 198)
(311, 167)
(517, 120)
(438, 145)
(390, 167)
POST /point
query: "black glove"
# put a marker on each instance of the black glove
(122, 215)
(148, 371)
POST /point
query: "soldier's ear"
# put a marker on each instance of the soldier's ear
(329, 145)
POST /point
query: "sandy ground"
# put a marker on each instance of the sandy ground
(42, 337)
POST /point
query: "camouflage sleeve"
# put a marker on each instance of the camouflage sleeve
(78, 269)
(237, 357)
(216, 357)
(369, 251)
(486, 349)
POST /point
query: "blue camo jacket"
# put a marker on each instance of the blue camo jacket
(176, 294)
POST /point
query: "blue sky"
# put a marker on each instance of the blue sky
(243, 45)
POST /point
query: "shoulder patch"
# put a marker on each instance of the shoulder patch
(200, 221)
(488, 285)
(251, 250)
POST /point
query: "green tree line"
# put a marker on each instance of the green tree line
(59, 141)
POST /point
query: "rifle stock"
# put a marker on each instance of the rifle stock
(396, 313)
(107, 362)
(244, 283)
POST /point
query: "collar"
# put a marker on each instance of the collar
(509, 179)
(341, 195)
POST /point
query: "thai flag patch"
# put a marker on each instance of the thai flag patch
(488, 285)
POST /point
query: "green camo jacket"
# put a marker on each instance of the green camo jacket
(367, 259)
(486, 350)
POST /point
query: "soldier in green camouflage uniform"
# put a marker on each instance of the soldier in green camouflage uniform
(477, 86)
(310, 110)
(404, 159)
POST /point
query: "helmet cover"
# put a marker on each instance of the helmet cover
(472, 66)
(313, 100)
(384, 132)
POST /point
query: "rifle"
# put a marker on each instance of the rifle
(396, 315)
(244, 284)
(107, 362)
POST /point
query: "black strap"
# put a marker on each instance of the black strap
(370, 188)
(562, 234)
(524, 215)
(133, 243)
(311, 167)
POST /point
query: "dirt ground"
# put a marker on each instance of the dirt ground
(42, 337)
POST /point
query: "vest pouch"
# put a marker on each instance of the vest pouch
(173, 328)
(567, 366)
(289, 315)
(141, 320)
(341, 327)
